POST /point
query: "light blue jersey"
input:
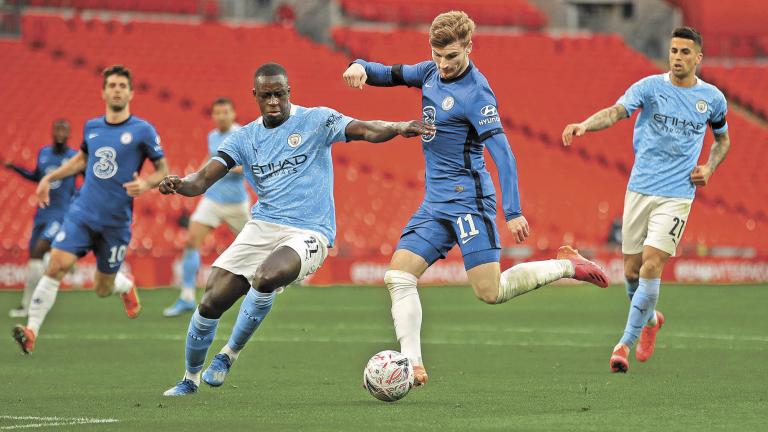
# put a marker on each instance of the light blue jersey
(290, 167)
(230, 189)
(669, 132)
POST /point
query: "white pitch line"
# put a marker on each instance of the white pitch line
(52, 421)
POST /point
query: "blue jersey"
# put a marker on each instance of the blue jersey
(230, 189)
(61, 191)
(290, 167)
(464, 110)
(115, 152)
(669, 132)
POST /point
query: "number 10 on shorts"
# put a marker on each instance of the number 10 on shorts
(472, 230)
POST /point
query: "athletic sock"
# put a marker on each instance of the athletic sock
(35, 270)
(122, 284)
(631, 287)
(641, 309)
(406, 312)
(199, 338)
(43, 299)
(253, 310)
(190, 264)
(525, 277)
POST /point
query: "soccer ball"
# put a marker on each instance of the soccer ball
(388, 376)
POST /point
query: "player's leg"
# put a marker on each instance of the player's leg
(39, 245)
(190, 265)
(632, 264)
(43, 298)
(222, 290)
(110, 248)
(297, 254)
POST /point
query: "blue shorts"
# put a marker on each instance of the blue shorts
(436, 227)
(44, 230)
(109, 244)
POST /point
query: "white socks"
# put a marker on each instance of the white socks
(195, 377)
(122, 284)
(232, 354)
(188, 294)
(406, 312)
(525, 277)
(42, 301)
(35, 270)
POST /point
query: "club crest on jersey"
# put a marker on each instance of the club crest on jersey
(126, 138)
(430, 116)
(294, 140)
(489, 111)
(448, 103)
(701, 106)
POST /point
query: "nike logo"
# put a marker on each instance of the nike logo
(427, 85)
(641, 310)
(92, 136)
(466, 240)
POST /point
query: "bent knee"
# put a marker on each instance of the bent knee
(103, 289)
(487, 293)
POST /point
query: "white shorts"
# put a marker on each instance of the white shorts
(212, 214)
(258, 239)
(653, 221)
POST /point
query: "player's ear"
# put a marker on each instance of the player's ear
(469, 47)
(253, 90)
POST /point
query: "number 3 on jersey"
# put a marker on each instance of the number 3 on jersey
(472, 230)
(106, 166)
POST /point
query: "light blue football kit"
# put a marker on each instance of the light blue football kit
(667, 141)
(231, 188)
(459, 206)
(99, 219)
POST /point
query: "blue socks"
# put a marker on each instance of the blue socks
(631, 287)
(253, 310)
(190, 264)
(641, 309)
(199, 338)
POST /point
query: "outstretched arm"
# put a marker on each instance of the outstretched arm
(140, 185)
(502, 156)
(197, 183)
(376, 131)
(29, 175)
(71, 167)
(602, 119)
(376, 74)
(701, 174)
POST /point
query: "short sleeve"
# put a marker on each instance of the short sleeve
(84, 145)
(483, 114)
(335, 124)
(717, 117)
(151, 142)
(635, 96)
(233, 145)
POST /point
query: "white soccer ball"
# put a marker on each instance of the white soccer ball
(388, 376)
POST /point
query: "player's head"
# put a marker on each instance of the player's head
(272, 93)
(223, 113)
(117, 87)
(60, 131)
(450, 37)
(685, 52)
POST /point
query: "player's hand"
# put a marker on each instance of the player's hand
(415, 128)
(43, 187)
(700, 175)
(355, 76)
(572, 129)
(170, 185)
(519, 228)
(137, 186)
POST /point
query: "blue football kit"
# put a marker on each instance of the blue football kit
(99, 219)
(231, 188)
(459, 205)
(47, 221)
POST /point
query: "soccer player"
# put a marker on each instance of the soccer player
(459, 206)
(99, 219)
(287, 155)
(48, 220)
(225, 201)
(669, 133)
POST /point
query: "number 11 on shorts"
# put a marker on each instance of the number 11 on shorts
(472, 230)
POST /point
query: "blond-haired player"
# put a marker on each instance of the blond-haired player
(459, 206)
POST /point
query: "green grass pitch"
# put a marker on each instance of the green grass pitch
(537, 363)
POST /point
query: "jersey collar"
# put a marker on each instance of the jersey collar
(463, 74)
(117, 124)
